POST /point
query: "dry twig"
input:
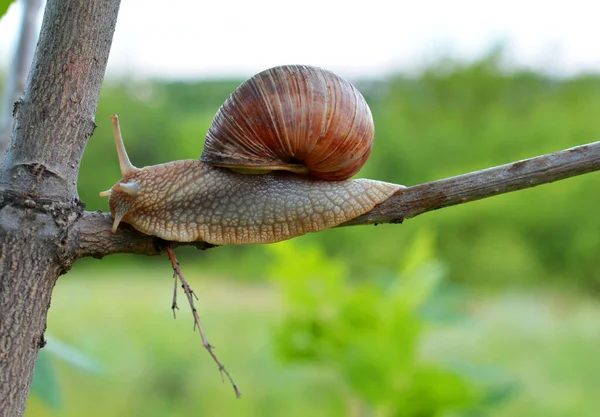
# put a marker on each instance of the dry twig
(418, 199)
(177, 274)
(93, 236)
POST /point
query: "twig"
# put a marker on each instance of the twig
(177, 274)
(418, 199)
(93, 236)
(174, 304)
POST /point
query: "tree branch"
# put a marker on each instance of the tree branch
(38, 179)
(477, 185)
(55, 118)
(91, 235)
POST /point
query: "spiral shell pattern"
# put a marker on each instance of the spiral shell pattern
(296, 118)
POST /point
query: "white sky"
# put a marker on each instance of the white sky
(193, 39)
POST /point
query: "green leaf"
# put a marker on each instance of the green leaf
(420, 252)
(72, 355)
(45, 382)
(419, 273)
(4, 5)
(501, 394)
(446, 305)
(499, 387)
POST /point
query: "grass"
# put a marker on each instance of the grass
(153, 365)
(547, 342)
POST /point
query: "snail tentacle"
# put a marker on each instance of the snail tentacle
(294, 118)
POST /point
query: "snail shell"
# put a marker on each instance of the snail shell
(297, 118)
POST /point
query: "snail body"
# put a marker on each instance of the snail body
(293, 125)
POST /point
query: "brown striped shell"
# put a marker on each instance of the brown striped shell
(296, 118)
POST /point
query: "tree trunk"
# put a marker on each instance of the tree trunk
(43, 227)
(38, 179)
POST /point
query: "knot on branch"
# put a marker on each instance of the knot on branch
(63, 214)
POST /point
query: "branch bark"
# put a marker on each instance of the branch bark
(91, 235)
(43, 228)
(38, 192)
(477, 185)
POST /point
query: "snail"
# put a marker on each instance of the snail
(276, 165)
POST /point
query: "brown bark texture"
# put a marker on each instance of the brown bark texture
(91, 235)
(43, 225)
(38, 179)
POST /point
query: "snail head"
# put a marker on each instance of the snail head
(123, 194)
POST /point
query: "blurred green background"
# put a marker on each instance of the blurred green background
(484, 309)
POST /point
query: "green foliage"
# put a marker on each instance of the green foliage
(451, 119)
(153, 365)
(45, 383)
(4, 5)
(370, 332)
